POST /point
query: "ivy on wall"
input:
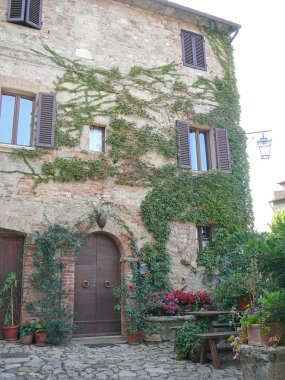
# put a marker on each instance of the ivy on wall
(154, 98)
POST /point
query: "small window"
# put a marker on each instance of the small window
(97, 139)
(204, 237)
(25, 12)
(16, 116)
(193, 50)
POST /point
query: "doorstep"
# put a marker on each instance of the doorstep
(112, 339)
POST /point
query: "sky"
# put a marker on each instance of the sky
(260, 73)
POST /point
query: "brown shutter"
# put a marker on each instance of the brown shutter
(187, 49)
(46, 120)
(199, 51)
(16, 10)
(34, 13)
(183, 144)
(223, 150)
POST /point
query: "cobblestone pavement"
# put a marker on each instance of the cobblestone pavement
(120, 361)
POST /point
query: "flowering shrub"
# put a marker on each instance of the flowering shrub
(27, 328)
(169, 303)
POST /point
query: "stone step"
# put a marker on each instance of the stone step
(112, 339)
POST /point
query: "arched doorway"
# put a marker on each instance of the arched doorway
(97, 269)
(11, 260)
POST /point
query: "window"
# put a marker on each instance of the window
(193, 50)
(199, 147)
(204, 237)
(16, 114)
(25, 12)
(16, 119)
(97, 139)
(194, 148)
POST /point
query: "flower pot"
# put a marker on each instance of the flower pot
(134, 338)
(27, 339)
(41, 339)
(10, 333)
(255, 338)
(242, 303)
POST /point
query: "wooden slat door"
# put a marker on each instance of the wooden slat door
(97, 270)
(11, 260)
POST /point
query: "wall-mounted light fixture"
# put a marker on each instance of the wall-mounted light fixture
(101, 220)
(263, 143)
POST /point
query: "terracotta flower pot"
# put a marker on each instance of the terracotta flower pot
(27, 339)
(243, 303)
(255, 338)
(11, 333)
(134, 338)
(41, 339)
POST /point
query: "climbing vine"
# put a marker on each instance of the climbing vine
(141, 107)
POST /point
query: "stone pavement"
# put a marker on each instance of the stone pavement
(120, 361)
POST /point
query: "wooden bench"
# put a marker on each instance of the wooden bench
(212, 338)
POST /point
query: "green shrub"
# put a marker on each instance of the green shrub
(185, 341)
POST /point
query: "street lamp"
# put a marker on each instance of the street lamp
(263, 143)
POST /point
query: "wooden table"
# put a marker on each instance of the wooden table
(210, 316)
(211, 337)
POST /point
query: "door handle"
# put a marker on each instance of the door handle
(107, 284)
(85, 284)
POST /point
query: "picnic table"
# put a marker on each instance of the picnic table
(211, 337)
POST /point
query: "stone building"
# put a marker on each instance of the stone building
(278, 202)
(94, 94)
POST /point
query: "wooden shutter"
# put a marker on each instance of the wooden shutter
(16, 10)
(46, 120)
(34, 13)
(193, 50)
(199, 51)
(223, 150)
(183, 144)
(187, 49)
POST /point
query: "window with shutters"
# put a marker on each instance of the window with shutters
(16, 117)
(194, 148)
(97, 139)
(193, 50)
(25, 12)
(204, 237)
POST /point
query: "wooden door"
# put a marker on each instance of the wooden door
(97, 270)
(11, 260)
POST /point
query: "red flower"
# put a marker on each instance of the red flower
(27, 321)
(131, 287)
(146, 275)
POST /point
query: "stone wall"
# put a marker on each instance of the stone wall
(100, 33)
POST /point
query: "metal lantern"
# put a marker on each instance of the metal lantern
(143, 267)
(264, 145)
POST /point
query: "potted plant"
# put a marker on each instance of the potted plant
(8, 299)
(27, 332)
(40, 333)
(135, 302)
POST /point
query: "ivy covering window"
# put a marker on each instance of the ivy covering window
(204, 237)
(194, 148)
(97, 139)
(25, 12)
(193, 50)
(16, 115)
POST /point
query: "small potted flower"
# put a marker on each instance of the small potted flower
(40, 333)
(27, 332)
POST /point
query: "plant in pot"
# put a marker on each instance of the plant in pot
(8, 300)
(134, 300)
(27, 332)
(40, 333)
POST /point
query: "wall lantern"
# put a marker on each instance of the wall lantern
(143, 267)
(263, 143)
(101, 220)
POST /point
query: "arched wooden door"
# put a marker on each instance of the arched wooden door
(97, 269)
(11, 260)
